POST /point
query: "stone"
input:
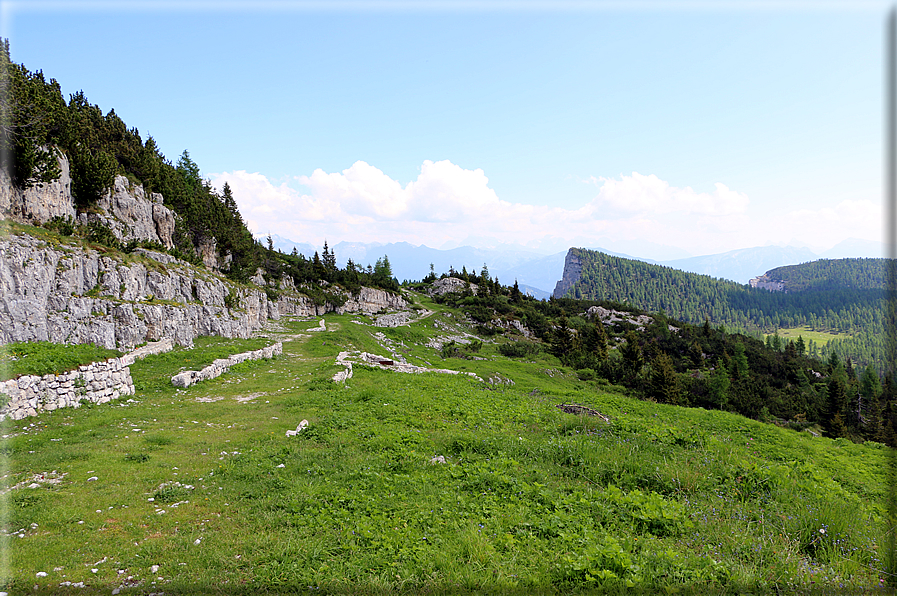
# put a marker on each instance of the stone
(130, 215)
(40, 203)
(450, 284)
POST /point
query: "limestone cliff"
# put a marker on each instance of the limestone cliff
(40, 203)
(125, 208)
(572, 273)
(67, 293)
(132, 215)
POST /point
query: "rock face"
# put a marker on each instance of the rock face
(69, 294)
(125, 209)
(450, 284)
(40, 203)
(609, 316)
(131, 215)
(65, 293)
(572, 273)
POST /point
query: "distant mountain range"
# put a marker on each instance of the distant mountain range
(537, 274)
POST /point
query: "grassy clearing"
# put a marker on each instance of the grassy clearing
(203, 483)
(820, 337)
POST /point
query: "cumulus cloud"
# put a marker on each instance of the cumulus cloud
(448, 204)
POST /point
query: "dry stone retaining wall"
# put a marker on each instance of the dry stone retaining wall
(97, 383)
(221, 366)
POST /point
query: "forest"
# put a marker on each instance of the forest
(825, 274)
(844, 297)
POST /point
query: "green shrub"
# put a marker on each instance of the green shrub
(61, 225)
(101, 234)
(518, 349)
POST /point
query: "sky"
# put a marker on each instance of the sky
(657, 129)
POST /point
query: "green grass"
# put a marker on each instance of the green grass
(43, 358)
(820, 337)
(531, 499)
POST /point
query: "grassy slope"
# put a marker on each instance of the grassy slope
(531, 497)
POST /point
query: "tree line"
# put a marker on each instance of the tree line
(851, 302)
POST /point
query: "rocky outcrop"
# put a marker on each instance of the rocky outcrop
(74, 295)
(765, 283)
(366, 301)
(125, 208)
(70, 294)
(447, 285)
(609, 316)
(572, 273)
(40, 203)
(132, 215)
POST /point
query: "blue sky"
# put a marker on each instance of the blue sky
(661, 131)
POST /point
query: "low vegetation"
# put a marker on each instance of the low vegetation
(44, 358)
(199, 490)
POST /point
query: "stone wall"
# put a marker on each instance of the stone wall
(221, 366)
(98, 382)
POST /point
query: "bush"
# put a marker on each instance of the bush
(101, 234)
(232, 300)
(61, 225)
(518, 349)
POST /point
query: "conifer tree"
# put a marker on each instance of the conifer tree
(663, 383)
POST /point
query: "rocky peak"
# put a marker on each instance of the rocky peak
(572, 273)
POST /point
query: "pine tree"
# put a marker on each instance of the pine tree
(663, 383)
(329, 259)
(562, 339)
(516, 296)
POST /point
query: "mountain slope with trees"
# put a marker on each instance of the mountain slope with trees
(847, 298)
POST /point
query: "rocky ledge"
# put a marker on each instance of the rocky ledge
(67, 293)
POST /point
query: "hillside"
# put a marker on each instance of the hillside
(826, 274)
(853, 309)
(527, 476)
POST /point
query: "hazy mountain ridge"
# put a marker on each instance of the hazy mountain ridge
(540, 273)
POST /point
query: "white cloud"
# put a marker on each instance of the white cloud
(447, 203)
(827, 226)
(650, 194)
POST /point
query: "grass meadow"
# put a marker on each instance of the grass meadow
(198, 490)
(820, 337)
